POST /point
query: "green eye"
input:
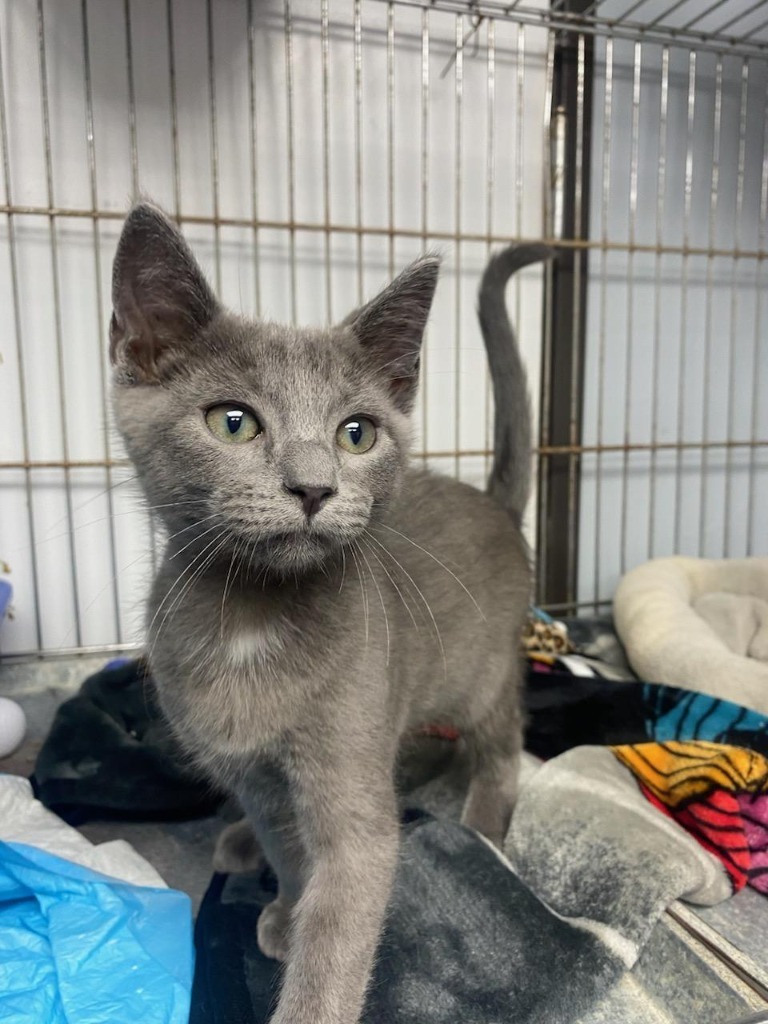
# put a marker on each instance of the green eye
(356, 435)
(232, 423)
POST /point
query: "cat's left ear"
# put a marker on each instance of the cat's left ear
(391, 327)
(160, 297)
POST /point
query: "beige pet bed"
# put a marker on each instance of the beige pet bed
(699, 624)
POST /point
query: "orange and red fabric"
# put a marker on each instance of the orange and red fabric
(717, 792)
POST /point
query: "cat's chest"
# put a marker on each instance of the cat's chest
(231, 694)
(251, 647)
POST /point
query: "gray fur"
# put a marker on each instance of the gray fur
(292, 652)
(510, 480)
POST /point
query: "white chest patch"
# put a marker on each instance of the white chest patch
(254, 644)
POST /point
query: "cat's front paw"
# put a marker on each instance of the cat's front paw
(272, 930)
(237, 850)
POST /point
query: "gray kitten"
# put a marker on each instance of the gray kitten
(317, 597)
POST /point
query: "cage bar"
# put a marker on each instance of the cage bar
(57, 326)
(99, 332)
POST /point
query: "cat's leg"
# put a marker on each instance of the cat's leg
(347, 810)
(494, 746)
(282, 845)
(238, 850)
(272, 817)
(273, 929)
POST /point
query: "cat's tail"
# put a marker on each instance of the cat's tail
(510, 479)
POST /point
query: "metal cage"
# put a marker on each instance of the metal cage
(310, 147)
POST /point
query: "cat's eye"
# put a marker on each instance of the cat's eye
(356, 435)
(232, 423)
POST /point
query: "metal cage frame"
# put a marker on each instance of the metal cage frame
(724, 29)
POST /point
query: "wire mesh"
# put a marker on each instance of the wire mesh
(681, 159)
(311, 147)
(735, 26)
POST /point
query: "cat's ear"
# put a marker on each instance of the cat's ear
(391, 327)
(160, 297)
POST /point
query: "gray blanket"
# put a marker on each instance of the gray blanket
(471, 938)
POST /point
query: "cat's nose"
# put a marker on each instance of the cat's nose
(312, 498)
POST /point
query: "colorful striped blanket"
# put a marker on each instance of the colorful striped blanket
(717, 792)
(702, 762)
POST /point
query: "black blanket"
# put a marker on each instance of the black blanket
(110, 754)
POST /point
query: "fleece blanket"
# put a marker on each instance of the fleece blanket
(464, 941)
(466, 935)
(110, 753)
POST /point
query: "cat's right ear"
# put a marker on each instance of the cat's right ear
(160, 297)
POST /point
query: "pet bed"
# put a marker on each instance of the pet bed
(699, 624)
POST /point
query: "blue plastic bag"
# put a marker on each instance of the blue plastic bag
(77, 947)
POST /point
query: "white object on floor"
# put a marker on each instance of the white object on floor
(13, 726)
(577, 666)
(682, 620)
(23, 819)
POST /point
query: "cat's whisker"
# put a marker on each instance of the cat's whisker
(343, 568)
(418, 618)
(198, 572)
(145, 690)
(226, 588)
(254, 545)
(362, 591)
(152, 639)
(263, 571)
(196, 575)
(363, 540)
(109, 582)
(82, 526)
(182, 574)
(191, 526)
(267, 567)
(95, 497)
(70, 632)
(383, 526)
(174, 504)
(421, 595)
(378, 591)
(191, 542)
